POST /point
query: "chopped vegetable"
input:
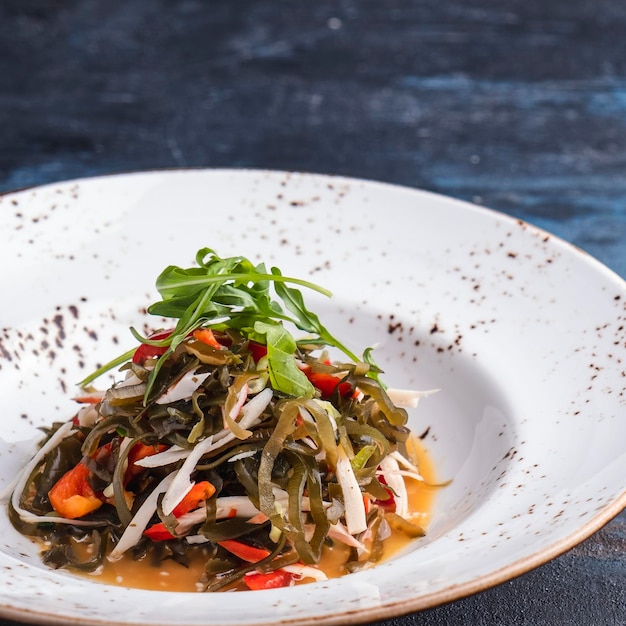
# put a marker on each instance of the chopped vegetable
(327, 383)
(206, 335)
(244, 551)
(72, 496)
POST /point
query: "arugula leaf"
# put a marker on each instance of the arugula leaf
(283, 370)
(307, 320)
(233, 292)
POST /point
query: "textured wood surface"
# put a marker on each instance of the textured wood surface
(518, 105)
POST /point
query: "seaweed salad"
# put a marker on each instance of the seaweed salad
(229, 437)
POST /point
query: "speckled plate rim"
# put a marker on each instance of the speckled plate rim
(445, 593)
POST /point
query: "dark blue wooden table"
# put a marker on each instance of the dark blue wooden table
(518, 105)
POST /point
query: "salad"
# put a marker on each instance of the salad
(226, 436)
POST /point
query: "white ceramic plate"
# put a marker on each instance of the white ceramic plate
(525, 336)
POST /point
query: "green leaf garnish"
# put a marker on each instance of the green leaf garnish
(283, 370)
(234, 293)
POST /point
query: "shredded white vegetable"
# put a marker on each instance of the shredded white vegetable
(235, 506)
(130, 381)
(242, 455)
(227, 506)
(87, 416)
(339, 532)
(408, 398)
(305, 571)
(183, 388)
(241, 399)
(413, 472)
(133, 532)
(391, 471)
(182, 484)
(255, 407)
(353, 498)
(230, 418)
(189, 520)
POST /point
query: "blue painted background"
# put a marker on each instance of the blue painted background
(517, 105)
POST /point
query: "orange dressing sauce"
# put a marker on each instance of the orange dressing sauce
(171, 576)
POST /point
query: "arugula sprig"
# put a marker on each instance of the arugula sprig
(233, 292)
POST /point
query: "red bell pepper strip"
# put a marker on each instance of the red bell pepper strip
(271, 580)
(146, 351)
(367, 504)
(158, 532)
(72, 495)
(252, 554)
(199, 493)
(245, 552)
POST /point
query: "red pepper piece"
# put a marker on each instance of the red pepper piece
(72, 495)
(327, 383)
(198, 493)
(158, 532)
(206, 335)
(258, 350)
(271, 580)
(146, 351)
(245, 552)
(137, 452)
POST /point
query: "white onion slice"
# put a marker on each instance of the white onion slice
(87, 416)
(234, 506)
(242, 455)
